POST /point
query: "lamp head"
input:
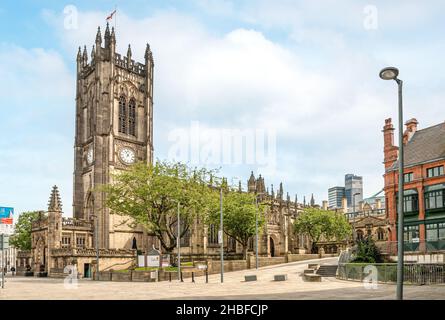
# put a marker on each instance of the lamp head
(389, 73)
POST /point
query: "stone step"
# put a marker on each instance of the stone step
(312, 277)
(327, 270)
(307, 271)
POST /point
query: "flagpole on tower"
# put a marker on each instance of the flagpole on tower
(115, 20)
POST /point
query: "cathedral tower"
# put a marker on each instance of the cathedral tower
(114, 128)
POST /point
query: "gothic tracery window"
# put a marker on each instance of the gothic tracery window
(132, 117)
(127, 116)
(122, 115)
(212, 234)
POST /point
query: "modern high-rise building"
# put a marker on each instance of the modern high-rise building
(353, 185)
(335, 196)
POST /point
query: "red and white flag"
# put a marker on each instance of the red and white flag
(111, 15)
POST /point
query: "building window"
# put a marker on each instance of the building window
(380, 234)
(185, 239)
(435, 231)
(434, 172)
(213, 234)
(408, 177)
(411, 203)
(80, 241)
(231, 244)
(410, 233)
(132, 117)
(122, 115)
(434, 199)
(66, 241)
(360, 235)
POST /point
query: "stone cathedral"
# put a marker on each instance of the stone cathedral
(113, 130)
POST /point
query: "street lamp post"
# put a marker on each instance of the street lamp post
(178, 245)
(391, 73)
(256, 232)
(221, 240)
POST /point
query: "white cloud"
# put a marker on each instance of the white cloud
(37, 107)
(328, 114)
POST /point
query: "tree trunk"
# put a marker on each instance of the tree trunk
(314, 247)
(245, 251)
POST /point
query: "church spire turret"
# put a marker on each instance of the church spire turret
(251, 183)
(148, 54)
(93, 52)
(107, 36)
(55, 204)
(85, 56)
(280, 192)
(79, 54)
(129, 53)
(312, 200)
(98, 38)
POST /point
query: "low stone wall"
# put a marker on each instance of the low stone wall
(265, 261)
(214, 267)
(229, 265)
(301, 257)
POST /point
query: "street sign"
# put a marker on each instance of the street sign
(6, 220)
(220, 237)
(6, 212)
(4, 242)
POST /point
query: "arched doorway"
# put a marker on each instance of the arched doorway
(272, 247)
(134, 244)
(40, 256)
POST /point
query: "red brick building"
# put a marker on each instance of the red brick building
(424, 185)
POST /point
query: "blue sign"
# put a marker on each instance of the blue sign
(6, 212)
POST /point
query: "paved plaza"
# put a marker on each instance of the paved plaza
(233, 287)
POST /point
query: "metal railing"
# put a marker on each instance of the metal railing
(414, 273)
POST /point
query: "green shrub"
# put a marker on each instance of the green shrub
(367, 252)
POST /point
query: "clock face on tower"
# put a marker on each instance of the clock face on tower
(127, 155)
(90, 156)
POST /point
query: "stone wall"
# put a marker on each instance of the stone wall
(214, 267)
(266, 261)
(301, 257)
(229, 265)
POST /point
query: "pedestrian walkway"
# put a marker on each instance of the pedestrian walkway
(233, 287)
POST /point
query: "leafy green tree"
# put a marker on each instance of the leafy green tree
(322, 224)
(239, 212)
(367, 252)
(149, 194)
(21, 239)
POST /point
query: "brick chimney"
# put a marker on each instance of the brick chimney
(390, 150)
(411, 128)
